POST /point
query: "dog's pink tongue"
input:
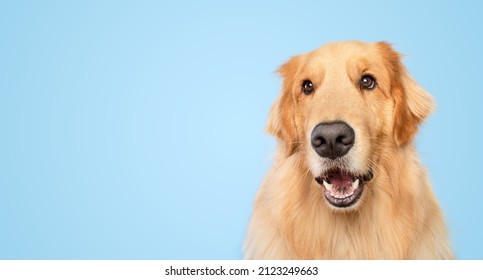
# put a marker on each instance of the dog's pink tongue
(340, 179)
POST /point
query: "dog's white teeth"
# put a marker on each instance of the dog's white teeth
(328, 186)
(355, 184)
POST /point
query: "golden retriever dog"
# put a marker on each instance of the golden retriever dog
(347, 182)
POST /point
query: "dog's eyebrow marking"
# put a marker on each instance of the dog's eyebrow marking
(356, 67)
(314, 74)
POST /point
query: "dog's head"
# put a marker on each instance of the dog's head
(339, 107)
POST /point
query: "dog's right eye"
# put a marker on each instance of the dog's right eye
(307, 87)
(368, 82)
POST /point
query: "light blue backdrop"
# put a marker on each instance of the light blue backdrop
(135, 130)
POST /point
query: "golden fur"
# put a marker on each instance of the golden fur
(397, 216)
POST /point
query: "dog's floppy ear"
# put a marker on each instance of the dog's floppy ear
(281, 119)
(412, 103)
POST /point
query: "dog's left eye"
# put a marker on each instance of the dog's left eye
(368, 82)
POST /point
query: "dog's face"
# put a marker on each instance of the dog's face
(340, 106)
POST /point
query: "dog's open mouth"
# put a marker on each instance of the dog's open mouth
(342, 188)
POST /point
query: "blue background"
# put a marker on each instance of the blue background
(135, 130)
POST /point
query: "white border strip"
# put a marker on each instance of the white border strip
(147, 270)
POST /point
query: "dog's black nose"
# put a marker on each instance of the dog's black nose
(332, 140)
